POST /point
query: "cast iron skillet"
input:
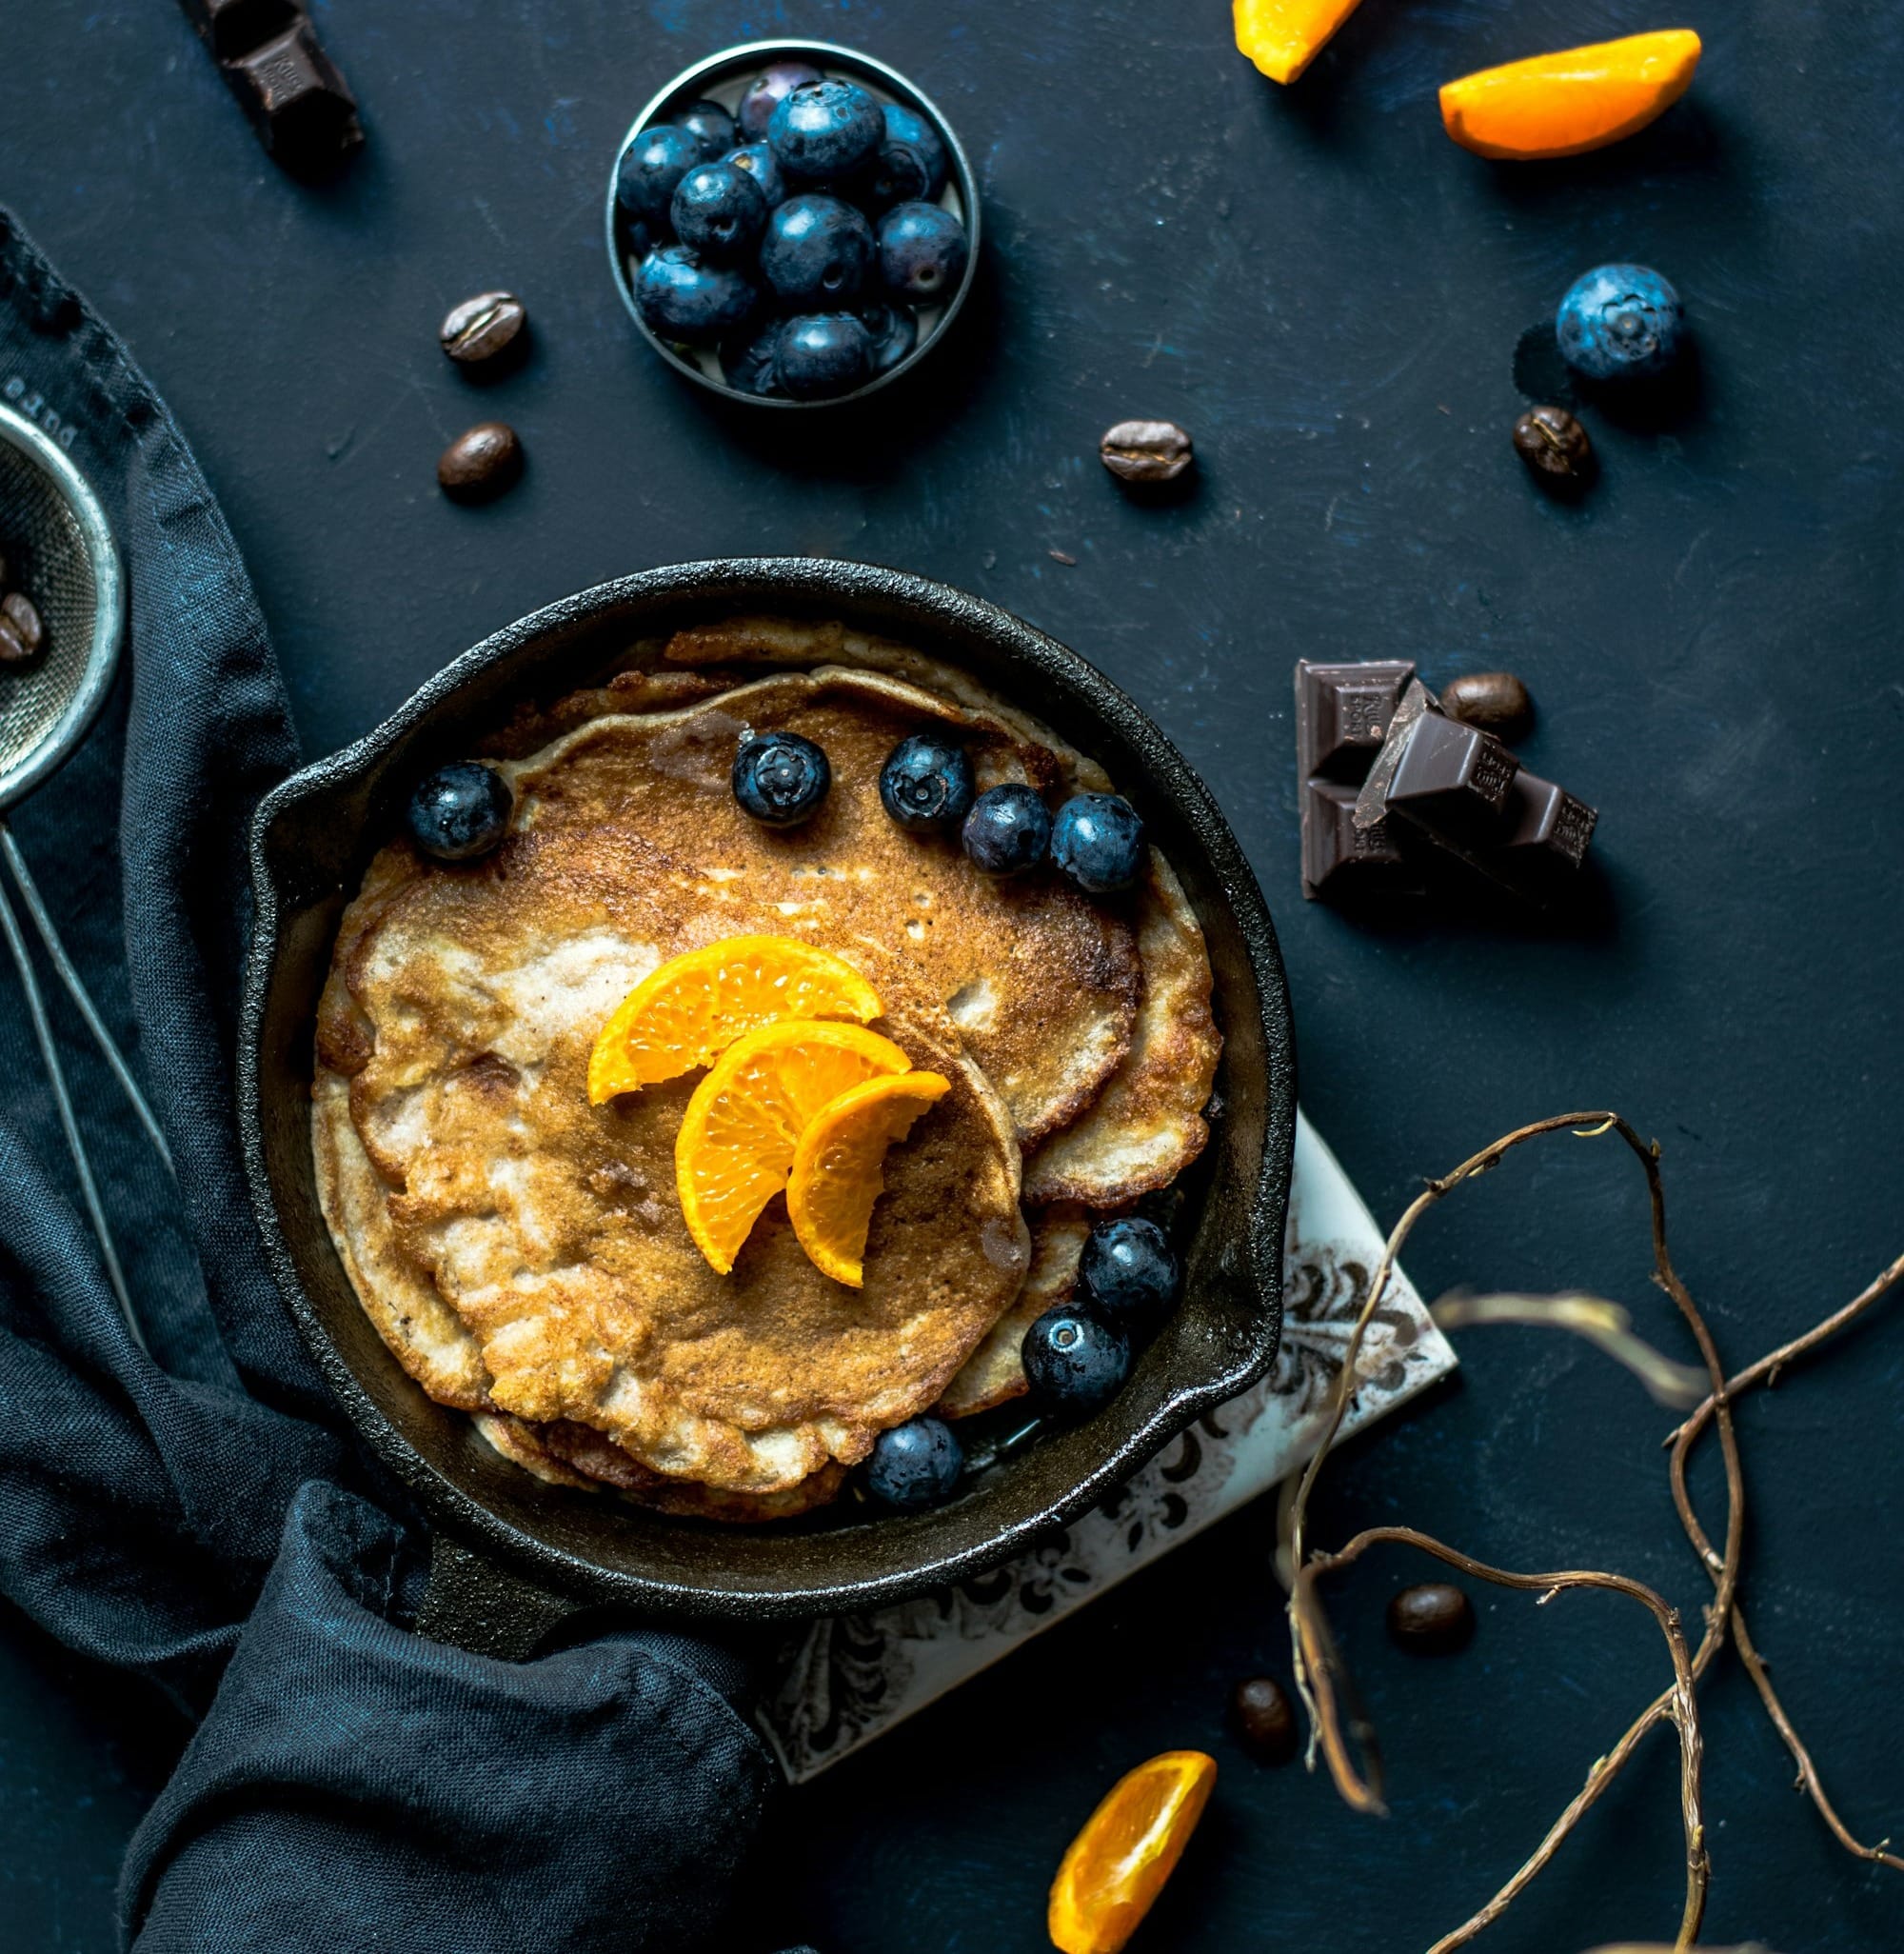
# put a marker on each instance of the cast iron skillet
(512, 1552)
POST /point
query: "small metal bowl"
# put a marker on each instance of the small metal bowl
(721, 78)
(60, 548)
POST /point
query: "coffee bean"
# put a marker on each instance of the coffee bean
(1145, 451)
(18, 611)
(482, 462)
(482, 327)
(1494, 701)
(1434, 1618)
(1264, 1718)
(1554, 444)
(12, 647)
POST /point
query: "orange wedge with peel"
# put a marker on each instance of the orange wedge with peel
(737, 1137)
(839, 1167)
(1283, 37)
(1130, 1845)
(1566, 104)
(688, 1012)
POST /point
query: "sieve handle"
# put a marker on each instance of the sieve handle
(43, 1031)
(42, 922)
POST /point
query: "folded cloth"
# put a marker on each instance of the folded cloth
(201, 1514)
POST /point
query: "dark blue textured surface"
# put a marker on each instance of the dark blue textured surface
(1327, 294)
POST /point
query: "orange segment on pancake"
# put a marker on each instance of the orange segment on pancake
(738, 1136)
(686, 1013)
(839, 1167)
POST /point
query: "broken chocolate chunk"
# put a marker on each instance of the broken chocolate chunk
(231, 27)
(304, 114)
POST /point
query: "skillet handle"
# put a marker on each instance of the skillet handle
(476, 1604)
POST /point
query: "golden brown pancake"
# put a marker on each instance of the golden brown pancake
(575, 1456)
(1041, 980)
(551, 1228)
(1148, 1125)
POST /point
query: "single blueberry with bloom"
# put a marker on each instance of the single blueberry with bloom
(1008, 829)
(781, 778)
(1098, 840)
(1621, 322)
(826, 131)
(926, 783)
(915, 1465)
(1073, 1361)
(459, 811)
(683, 297)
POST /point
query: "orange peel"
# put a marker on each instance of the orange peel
(1283, 37)
(1566, 104)
(839, 1167)
(1129, 1846)
(738, 1136)
(688, 1012)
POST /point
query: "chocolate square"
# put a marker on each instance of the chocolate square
(1343, 714)
(1338, 858)
(303, 112)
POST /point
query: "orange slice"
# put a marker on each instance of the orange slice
(690, 1010)
(1130, 1845)
(1283, 37)
(1563, 105)
(839, 1167)
(738, 1136)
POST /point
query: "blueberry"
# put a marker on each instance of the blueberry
(898, 175)
(748, 362)
(1007, 831)
(767, 91)
(825, 131)
(895, 331)
(816, 252)
(1129, 1274)
(1097, 840)
(1073, 1361)
(822, 356)
(926, 783)
(906, 126)
(781, 778)
(923, 254)
(1621, 322)
(915, 1465)
(719, 210)
(460, 810)
(682, 297)
(711, 127)
(651, 166)
(761, 163)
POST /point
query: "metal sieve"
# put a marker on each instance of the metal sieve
(59, 550)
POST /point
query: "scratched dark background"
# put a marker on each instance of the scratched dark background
(1328, 294)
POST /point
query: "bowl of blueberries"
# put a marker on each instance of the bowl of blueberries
(792, 224)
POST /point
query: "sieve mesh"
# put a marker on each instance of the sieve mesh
(46, 557)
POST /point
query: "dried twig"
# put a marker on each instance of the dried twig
(1603, 1324)
(1766, 1370)
(1319, 1673)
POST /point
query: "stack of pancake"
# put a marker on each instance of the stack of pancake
(522, 1251)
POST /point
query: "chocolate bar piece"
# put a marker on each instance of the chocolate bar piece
(1544, 840)
(1450, 779)
(1340, 859)
(231, 27)
(1342, 713)
(305, 114)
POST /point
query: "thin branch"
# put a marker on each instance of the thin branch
(1681, 1699)
(1318, 1667)
(1603, 1324)
(1766, 1371)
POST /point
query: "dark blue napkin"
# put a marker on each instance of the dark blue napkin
(200, 1515)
